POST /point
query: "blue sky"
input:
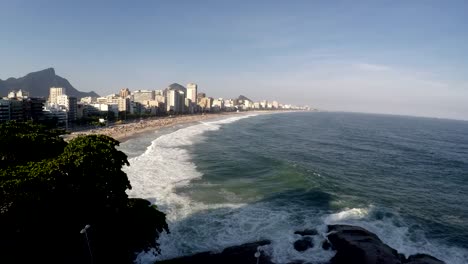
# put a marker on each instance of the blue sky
(399, 57)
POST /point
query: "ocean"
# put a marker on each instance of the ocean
(250, 177)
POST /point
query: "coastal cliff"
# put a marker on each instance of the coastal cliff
(352, 244)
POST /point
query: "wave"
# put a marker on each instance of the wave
(167, 165)
(396, 233)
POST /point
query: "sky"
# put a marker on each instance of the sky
(395, 57)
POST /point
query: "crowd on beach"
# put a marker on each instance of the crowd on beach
(125, 130)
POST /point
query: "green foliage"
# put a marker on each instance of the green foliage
(94, 167)
(49, 190)
(22, 142)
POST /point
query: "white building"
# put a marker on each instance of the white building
(275, 104)
(62, 100)
(107, 108)
(192, 92)
(18, 94)
(54, 93)
(173, 101)
(218, 103)
(143, 95)
(86, 100)
(247, 104)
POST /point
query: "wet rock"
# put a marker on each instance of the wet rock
(231, 255)
(422, 259)
(357, 245)
(307, 232)
(326, 245)
(303, 244)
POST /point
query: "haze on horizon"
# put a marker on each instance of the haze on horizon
(395, 57)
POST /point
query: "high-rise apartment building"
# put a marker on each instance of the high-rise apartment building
(192, 92)
(173, 101)
(62, 100)
(4, 110)
(54, 93)
(141, 96)
(124, 93)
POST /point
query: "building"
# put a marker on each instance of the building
(192, 92)
(101, 100)
(159, 92)
(86, 100)
(143, 95)
(123, 104)
(106, 108)
(173, 101)
(68, 103)
(175, 98)
(206, 103)
(34, 108)
(4, 110)
(248, 104)
(54, 93)
(59, 115)
(17, 110)
(18, 94)
(201, 95)
(218, 103)
(124, 93)
(62, 100)
(72, 108)
(275, 104)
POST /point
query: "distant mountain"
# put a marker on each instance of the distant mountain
(176, 86)
(38, 84)
(243, 98)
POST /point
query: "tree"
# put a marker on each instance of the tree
(49, 190)
(21, 142)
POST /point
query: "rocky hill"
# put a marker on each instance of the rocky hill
(38, 84)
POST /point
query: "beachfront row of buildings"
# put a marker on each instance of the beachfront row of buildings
(175, 99)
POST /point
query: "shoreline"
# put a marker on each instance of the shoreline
(124, 132)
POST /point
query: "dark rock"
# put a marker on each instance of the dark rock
(231, 255)
(307, 232)
(326, 245)
(423, 259)
(303, 244)
(357, 245)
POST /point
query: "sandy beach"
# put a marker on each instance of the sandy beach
(123, 132)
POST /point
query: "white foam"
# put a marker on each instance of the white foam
(166, 165)
(196, 227)
(394, 232)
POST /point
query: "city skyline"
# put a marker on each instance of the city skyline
(394, 57)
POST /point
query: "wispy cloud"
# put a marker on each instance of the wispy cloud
(371, 67)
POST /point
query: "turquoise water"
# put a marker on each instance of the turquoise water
(241, 179)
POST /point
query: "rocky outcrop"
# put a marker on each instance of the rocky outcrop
(352, 244)
(303, 244)
(357, 245)
(422, 259)
(307, 232)
(232, 255)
